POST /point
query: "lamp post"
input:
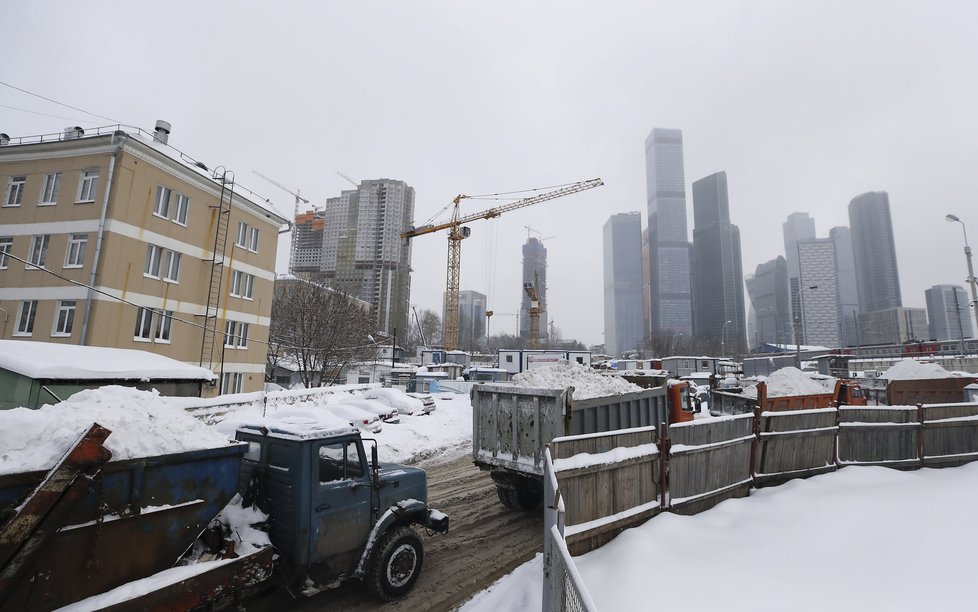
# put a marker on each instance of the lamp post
(723, 339)
(798, 300)
(971, 271)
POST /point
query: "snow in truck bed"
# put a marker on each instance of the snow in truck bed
(587, 382)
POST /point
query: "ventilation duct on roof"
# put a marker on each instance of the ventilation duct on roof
(72, 133)
(162, 132)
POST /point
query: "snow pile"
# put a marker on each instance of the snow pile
(142, 425)
(295, 422)
(910, 369)
(587, 382)
(791, 381)
(240, 520)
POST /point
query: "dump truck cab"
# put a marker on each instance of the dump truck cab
(849, 393)
(333, 513)
(682, 404)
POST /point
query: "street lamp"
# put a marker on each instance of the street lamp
(723, 339)
(798, 300)
(971, 271)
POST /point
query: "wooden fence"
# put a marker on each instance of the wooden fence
(615, 480)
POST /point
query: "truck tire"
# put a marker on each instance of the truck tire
(396, 563)
(522, 496)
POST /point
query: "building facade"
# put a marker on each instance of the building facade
(307, 247)
(768, 291)
(623, 322)
(874, 251)
(670, 282)
(170, 257)
(535, 273)
(718, 285)
(471, 319)
(799, 226)
(819, 306)
(948, 313)
(893, 326)
(363, 253)
(845, 273)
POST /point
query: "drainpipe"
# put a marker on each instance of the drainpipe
(122, 137)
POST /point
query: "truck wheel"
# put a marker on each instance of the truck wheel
(528, 497)
(396, 563)
(507, 496)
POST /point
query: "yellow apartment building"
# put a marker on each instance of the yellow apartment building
(114, 238)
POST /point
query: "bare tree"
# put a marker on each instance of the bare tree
(319, 329)
(430, 326)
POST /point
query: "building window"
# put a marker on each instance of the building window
(144, 325)
(231, 382)
(180, 206)
(6, 245)
(247, 237)
(154, 255)
(39, 251)
(49, 191)
(163, 321)
(87, 186)
(75, 253)
(64, 319)
(25, 318)
(162, 206)
(236, 334)
(15, 191)
(172, 274)
(229, 335)
(242, 284)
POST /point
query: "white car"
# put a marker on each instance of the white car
(386, 412)
(358, 417)
(405, 403)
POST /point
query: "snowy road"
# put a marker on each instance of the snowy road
(485, 542)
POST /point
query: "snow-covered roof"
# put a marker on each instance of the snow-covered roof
(54, 361)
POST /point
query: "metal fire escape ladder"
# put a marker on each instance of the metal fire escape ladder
(223, 210)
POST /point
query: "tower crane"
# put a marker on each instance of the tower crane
(295, 215)
(536, 307)
(457, 232)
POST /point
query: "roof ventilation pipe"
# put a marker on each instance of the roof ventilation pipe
(72, 133)
(4, 139)
(162, 132)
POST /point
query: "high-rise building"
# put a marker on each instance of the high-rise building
(768, 291)
(646, 284)
(948, 314)
(819, 320)
(124, 212)
(799, 226)
(363, 254)
(535, 273)
(307, 251)
(623, 330)
(893, 325)
(874, 251)
(845, 272)
(670, 292)
(718, 279)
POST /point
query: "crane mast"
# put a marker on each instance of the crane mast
(295, 215)
(458, 232)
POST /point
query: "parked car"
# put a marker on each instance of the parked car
(356, 416)
(405, 403)
(386, 412)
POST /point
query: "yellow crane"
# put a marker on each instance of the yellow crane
(457, 232)
(295, 215)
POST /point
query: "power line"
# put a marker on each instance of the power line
(162, 312)
(36, 95)
(24, 110)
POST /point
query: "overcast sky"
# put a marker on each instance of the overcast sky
(804, 105)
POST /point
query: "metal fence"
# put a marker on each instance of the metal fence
(563, 588)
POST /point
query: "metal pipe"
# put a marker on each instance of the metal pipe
(801, 310)
(122, 136)
(972, 281)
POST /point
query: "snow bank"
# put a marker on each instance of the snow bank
(910, 369)
(141, 422)
(791, 381)
(587, 382)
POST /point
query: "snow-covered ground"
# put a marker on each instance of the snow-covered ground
(862, 538)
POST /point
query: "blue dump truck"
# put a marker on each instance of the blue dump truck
(90, 525)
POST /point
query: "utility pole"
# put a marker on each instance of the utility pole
(972, 281)
(801, 310)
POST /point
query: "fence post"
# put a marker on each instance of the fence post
(549, 520)
(756, 442)
(920, 433)
(663, 444)
(838, 430)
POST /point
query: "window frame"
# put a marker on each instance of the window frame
(154, 261)
(181, 209)
(79, 260)
(6, 246)
(164, 327)
(88, 185)
(171, 271)
(232, 379)
(242, 280)
(161, 205)
(247, 237)
(20, 182)
(230, 333)
(42, 253)
(46, 186)
(28, 324)
(57, 330)
(144, 323)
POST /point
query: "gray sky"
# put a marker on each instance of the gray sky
(804, 104)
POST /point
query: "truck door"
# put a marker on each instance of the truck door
(341, 499)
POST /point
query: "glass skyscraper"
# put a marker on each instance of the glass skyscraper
(623, 329)
(670, 292)
(874, 251)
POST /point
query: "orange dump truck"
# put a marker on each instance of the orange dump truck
(845, 393)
